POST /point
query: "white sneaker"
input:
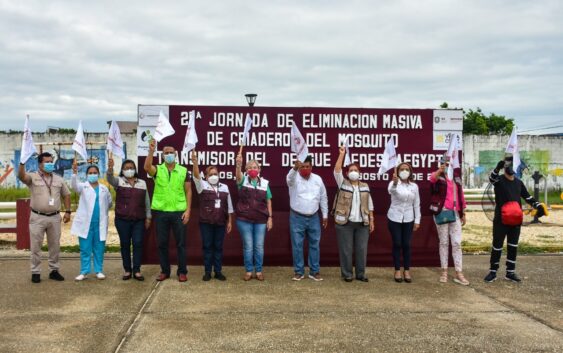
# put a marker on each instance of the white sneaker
(80, 277)
(100, 275)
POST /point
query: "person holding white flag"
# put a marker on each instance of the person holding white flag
(114, 142)
(254, 215)
(298, 144)
(79, 144)
(215, 217)
(190, 140)
(389, 159)
(508, 213)
(163, 127)
(28, 148)
(46, 189)
(447, 203)
(353, 215)
(171, 206)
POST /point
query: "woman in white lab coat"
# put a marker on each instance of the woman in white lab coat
(90, 222)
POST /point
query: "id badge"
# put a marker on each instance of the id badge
(218, 203)
(51, 201)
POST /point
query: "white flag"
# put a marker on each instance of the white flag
(298, 145)
(512, 147)
(79, 144)
(163, 127)
(191, 136)
(247, 127)
(389, 157)
(28, 148)
(114, 143)
(347, 160)
(453, 154)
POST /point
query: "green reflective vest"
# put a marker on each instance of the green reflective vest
(169, 194)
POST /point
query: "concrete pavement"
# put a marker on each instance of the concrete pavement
(280, 315)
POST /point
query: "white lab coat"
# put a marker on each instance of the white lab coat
(81, 222)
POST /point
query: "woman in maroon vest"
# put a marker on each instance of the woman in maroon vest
(254, 215)
(132, 212)
(215, 217)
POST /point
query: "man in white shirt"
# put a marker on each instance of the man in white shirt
(307, 193)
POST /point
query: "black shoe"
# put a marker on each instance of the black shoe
(490, 277)
(220, 276)
(35, 277)
(139, 277)
(348, 279)
(207, 276)
(56, 276)
(363, 279)
(512, 276)
(398, 279)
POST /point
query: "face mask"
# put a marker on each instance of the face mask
(48, 167)
(252, 173)
(129, 173)
(170, 158)
(92, 178)
(354, 175)
(213, 179)
(404, 174)
(305, 173)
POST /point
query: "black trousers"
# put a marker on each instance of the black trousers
(401, 234)
(164, 222)
(512, 235)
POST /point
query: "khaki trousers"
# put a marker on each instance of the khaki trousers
(38, 226)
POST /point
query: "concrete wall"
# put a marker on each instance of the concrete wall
(480, 155)
(60, 147)
(541, 153)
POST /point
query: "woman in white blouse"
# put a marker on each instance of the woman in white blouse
(403, 217)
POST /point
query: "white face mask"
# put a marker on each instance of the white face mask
(213, 179)
(129, 173)
(404, 174)
(353, 175)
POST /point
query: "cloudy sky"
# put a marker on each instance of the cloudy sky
(61, 61)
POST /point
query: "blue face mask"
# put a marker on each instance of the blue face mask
(49, 167)
(92, 178)
(169, 158)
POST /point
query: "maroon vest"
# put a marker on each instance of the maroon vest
(252, 205)
(130, 203)
(208, 213)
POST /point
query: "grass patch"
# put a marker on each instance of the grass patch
(523, 248)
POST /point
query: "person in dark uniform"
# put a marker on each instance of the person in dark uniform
(508, 217)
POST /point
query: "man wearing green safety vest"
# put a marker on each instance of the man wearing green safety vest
(171, 203)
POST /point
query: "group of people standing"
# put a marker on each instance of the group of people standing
(170, 208)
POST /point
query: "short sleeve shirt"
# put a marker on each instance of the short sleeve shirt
(44, 187)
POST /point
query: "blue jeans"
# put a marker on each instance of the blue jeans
(252, 244)
(130, 231)
(212, 236)
(299, 228)
(92, 245)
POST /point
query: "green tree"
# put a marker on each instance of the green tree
(477, 123)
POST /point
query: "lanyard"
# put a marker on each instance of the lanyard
(48, 185)
(215, 190)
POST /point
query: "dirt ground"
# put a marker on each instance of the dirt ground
(477, 231)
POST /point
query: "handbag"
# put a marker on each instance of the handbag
(444, 217)
(447, 216)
